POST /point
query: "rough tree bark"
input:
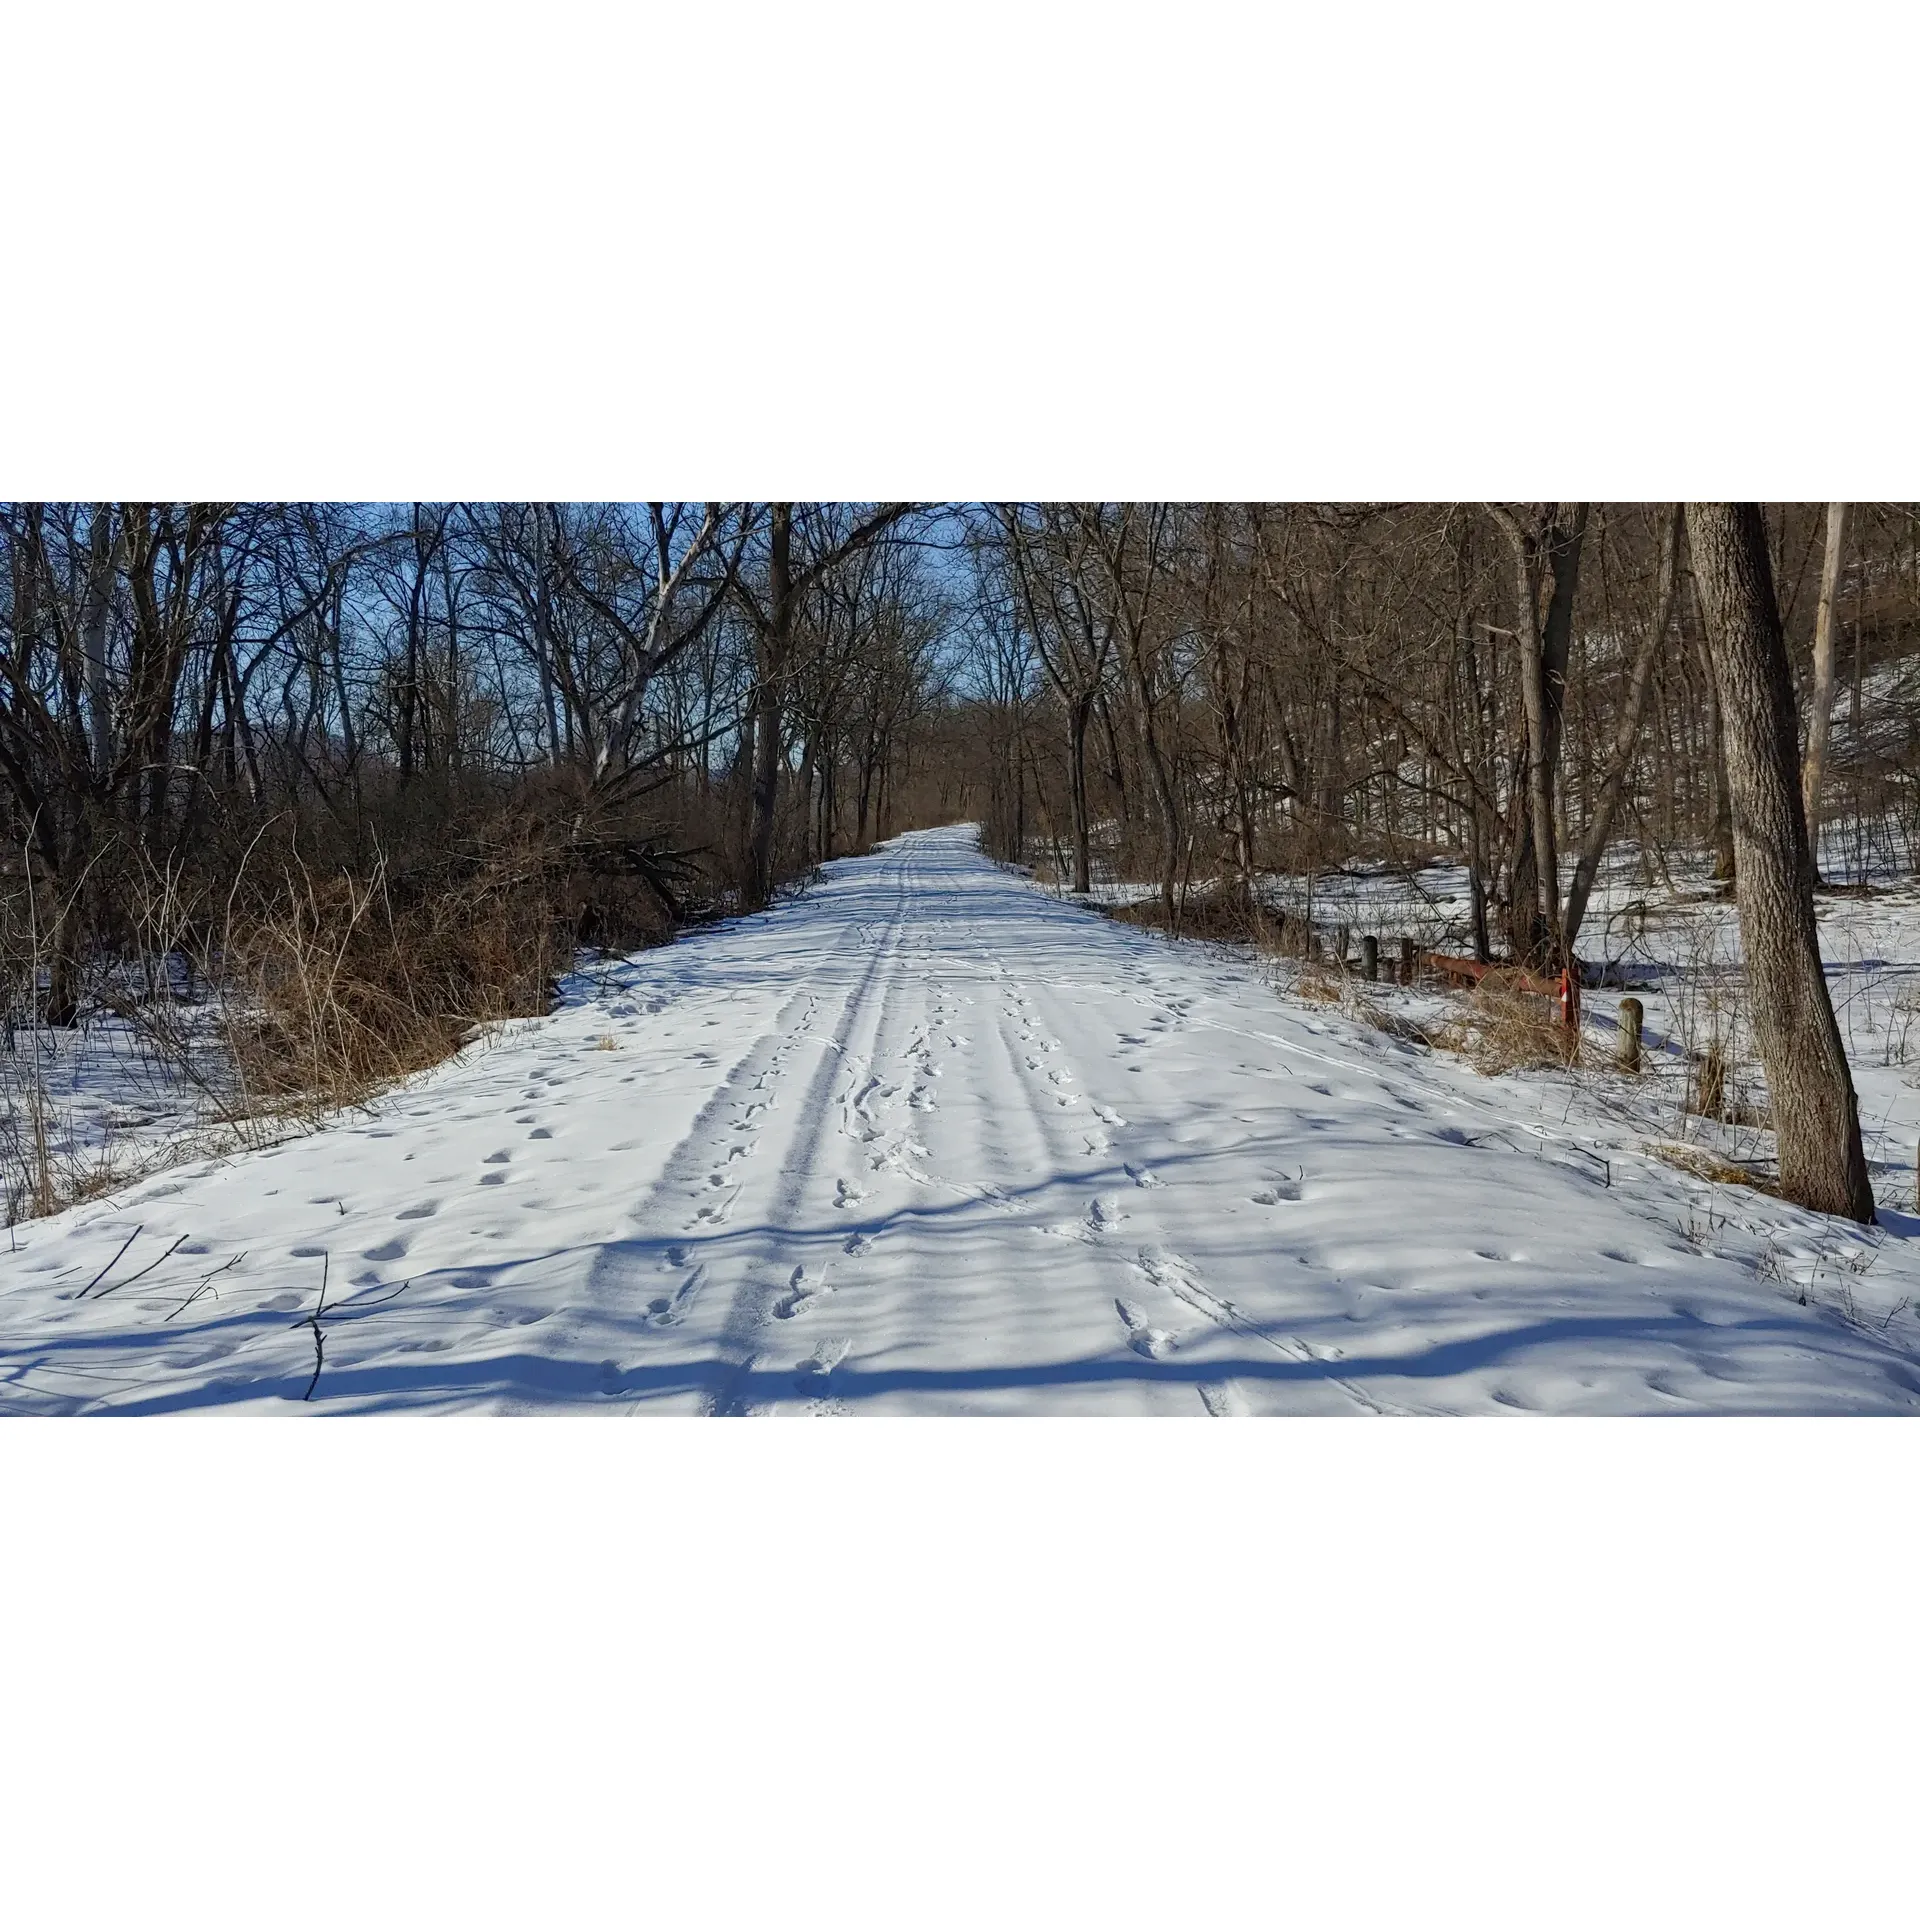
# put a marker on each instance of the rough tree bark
(1554, 545)
(1816, 1115)
(1822, 716)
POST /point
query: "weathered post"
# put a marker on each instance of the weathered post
(1406, 961)
(1631, 1014)
(1369, 957)
(1340, 943)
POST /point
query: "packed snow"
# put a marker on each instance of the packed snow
(928, 1138)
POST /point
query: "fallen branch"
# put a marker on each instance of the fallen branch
(109, 1267)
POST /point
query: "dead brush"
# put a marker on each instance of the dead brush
(1322, 985)
(336, 988)
(1504, 1029)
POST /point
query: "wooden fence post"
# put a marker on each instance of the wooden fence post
(1631, 1014)
(1369, 957)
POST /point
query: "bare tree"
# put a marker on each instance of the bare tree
(1822, 716)
(1816, 1115)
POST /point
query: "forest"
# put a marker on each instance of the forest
(378, 772)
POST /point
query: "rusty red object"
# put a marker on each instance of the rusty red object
(1563, 986)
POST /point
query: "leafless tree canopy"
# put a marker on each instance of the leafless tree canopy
(629, 715)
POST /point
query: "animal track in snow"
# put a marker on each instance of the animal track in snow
(847, 1194)
(424, 1211)
(1142, 1176)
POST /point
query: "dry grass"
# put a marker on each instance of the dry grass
(1213, 915)
(336, 988)
(1708, 1166)
(1501, 1029)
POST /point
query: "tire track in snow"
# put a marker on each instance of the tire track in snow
(745, 1336)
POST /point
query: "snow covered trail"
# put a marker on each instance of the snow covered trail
(925, 1139)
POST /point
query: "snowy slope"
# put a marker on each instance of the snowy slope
(929, 1139)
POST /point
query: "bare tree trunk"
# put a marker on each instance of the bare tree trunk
(1078, 716)
(769, 665)
(1816, 1115)
(1822, 717)
(102, 557)
(1613, 781)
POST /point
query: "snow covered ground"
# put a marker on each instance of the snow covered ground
(931, 1139)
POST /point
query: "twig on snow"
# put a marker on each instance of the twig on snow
(313, 1320)
(206, 1280)
(144, 1271)
(109, 1267)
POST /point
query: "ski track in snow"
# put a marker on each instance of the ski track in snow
(927, 1139)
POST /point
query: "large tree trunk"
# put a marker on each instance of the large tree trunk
(1536, 933)
(1816, 1116)
(1822, 717)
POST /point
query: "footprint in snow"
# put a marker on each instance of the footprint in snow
(801, 1295)
(424, 1211)
(670, 1311)
(846, 1194)
(1142, 1176)
(1223, 1399)
(816, 1368)
(1272, 1196)
(1150, 1342)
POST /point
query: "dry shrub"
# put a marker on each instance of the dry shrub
(1318, 984)
(334, 986)
(1386, 1020)
(1216, 914)
(1502, 1029)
